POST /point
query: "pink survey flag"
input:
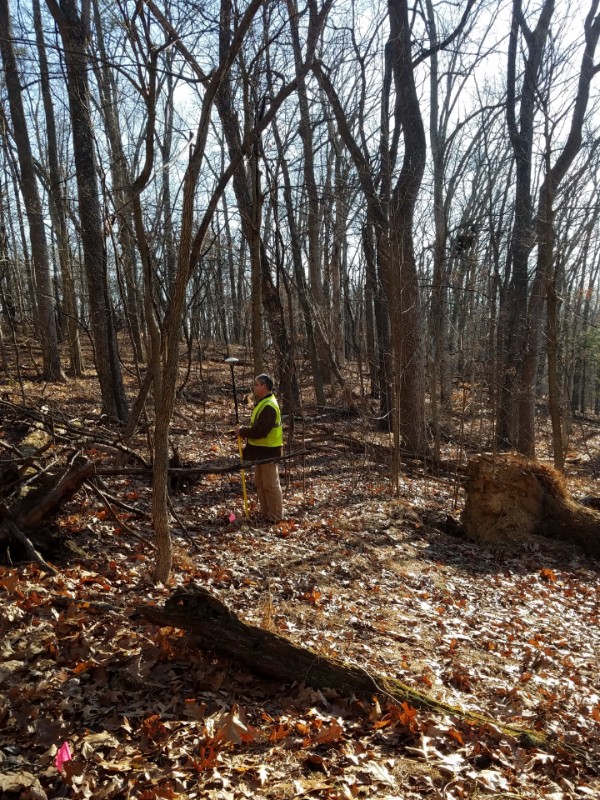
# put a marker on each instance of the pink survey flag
(63, 755)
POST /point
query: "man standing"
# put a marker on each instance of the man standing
(265, 440)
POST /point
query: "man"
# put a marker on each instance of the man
(265, 440)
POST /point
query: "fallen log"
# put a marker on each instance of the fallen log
(219, 630)
(509, 497)
(45, 499)
(22, 535)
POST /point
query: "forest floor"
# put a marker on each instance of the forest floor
(354, 571)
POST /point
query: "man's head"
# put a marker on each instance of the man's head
(263, 385)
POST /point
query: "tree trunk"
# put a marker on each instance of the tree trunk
(299, 275)
(515, 313)
(554, 392)
(46, 319)
(58, 205)
(74, 35)
(545, 234)
(122, 200)
(249, 199)
(218, 629)
(313, 205)
(399, 267)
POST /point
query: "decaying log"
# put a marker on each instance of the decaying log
(219, 630)
(509, 496)
(22, 534)
(44, 500)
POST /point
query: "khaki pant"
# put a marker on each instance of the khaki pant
(268, 489)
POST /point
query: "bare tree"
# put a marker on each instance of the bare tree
(57, 202)
(46, 319)
(73, 24)
(191, 243)
(521, 104)
(393, 216)
(544, 283)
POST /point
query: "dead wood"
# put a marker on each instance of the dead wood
(41, 497)
(44, 499)
(508, 497)
(108, 504)
(73, 432)
(218, 629)
(205, 469)
(9, 534)
(382, 454)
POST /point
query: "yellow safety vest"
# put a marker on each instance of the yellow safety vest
(275, 436)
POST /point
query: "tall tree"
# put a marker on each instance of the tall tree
(392, 215)
(521, 104)
(46, 319)
(305, 129)
(74, 26)
(57, 201)
(192, 238)
(246, 184)
(544, 282)
(121, 185)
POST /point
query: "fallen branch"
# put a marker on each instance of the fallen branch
(273, 656)
(207, 469)
(9, 533)
(122, 524)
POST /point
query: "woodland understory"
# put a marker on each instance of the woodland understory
(355, 571)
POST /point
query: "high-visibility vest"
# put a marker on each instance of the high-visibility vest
(275, 436)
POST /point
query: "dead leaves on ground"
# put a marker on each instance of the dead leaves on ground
(511, 633)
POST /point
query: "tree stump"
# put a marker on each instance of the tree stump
(508, 497)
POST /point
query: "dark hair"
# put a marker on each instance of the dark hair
(266, 380)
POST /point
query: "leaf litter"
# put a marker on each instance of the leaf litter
(510, 632)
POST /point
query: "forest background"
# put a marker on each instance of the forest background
(398, 201)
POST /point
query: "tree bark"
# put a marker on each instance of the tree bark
(299, 274)
(249, 199)
(544, 274)
(74, 33)
(515, 312)
(305, 130)
(220, 630)
(46, 319)
(400, 270)
(58, 205)
(122, 201)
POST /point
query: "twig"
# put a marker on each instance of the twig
(115, 516)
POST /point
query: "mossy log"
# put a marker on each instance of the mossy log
(509, 497)
(219, 630)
